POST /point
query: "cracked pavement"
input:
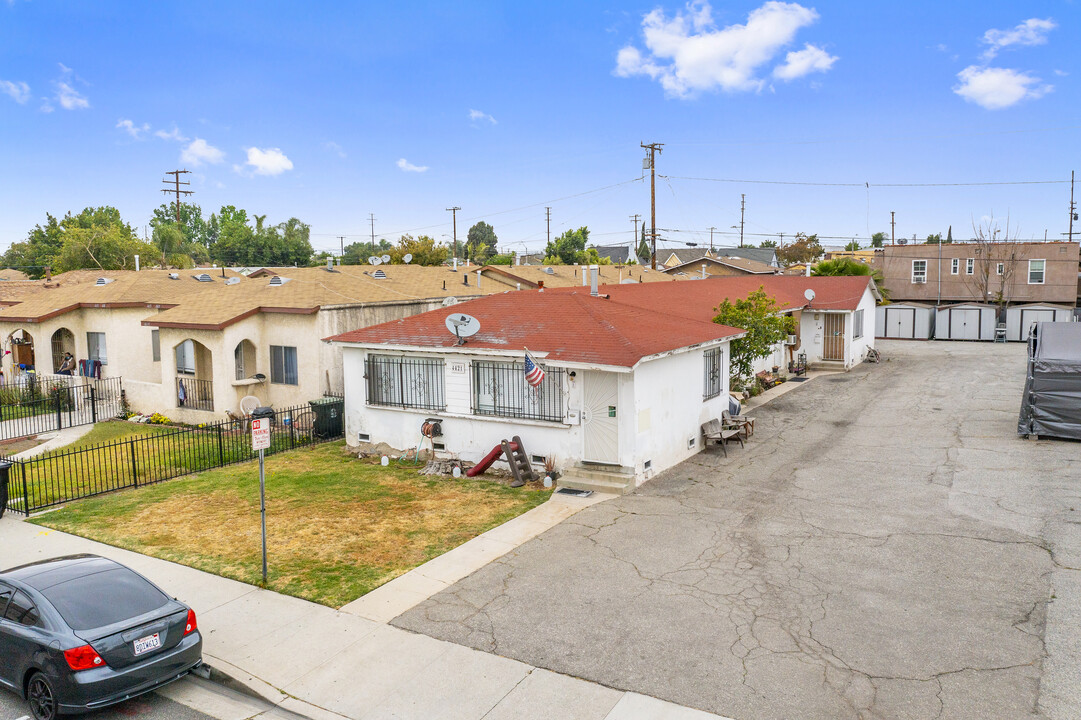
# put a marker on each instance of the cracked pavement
(885, 547)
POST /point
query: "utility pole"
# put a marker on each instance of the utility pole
(893, 226)
(634, 243)
(342, 238)
(711, 229)
(175, 182)
(371, 217)
(1073, 207)
(454, 215)
(742, 207)
(548, 222)
(653, 149)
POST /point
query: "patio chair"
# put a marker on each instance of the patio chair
(714, 430)
(745, 422)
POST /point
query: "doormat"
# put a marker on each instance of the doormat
(798, 379)
(574, 493)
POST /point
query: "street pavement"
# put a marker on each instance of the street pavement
(886, 546)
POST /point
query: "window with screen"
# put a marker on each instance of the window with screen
(1035, 272)
(283, 365)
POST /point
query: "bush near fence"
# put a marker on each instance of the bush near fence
(60, 476)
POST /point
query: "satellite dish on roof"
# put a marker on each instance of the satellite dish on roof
(408, 258)
(809, 294)
(385, 258)
(232, 281)
(447, 302)
(373, 260)
(462, 326)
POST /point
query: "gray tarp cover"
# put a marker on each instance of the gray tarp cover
(1051, 404)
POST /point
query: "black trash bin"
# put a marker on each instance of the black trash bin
(328, 417)
(262, 412)
(5, 472)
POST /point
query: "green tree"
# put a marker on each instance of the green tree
(502, 259)
(643, 246)
(425, 251)
(934, 239)
(57, 243)
(480, 243)
(239, 243)
(760, 316)
(106, 247)
(195, 229)
(38, 250)
(850, 266)
(568, 248)
(357, 253)
(853, 246)
(878, 239)
(768, 244)
(804, 249)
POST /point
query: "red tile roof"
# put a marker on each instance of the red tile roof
(567, 325)
(696, 300)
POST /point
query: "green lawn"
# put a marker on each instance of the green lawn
(337, 527)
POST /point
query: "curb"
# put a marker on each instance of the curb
(230, 676)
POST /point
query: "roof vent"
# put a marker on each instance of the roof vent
(379, 275)
(550, 271)
(103, 281)
(203, 278)
(174, 276)
(276, 280)
(232, 281)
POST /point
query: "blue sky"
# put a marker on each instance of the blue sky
(329, 112)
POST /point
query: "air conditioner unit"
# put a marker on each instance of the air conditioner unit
(919, 280)
(790, 340)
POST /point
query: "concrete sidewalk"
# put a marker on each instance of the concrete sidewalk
(325, 664)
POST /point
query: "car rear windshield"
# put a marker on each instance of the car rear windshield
(104, 598)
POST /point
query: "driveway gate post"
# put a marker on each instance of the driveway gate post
(93, 406)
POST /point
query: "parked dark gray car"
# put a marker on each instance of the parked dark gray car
(81, 632)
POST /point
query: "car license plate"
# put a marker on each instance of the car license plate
(148, 643)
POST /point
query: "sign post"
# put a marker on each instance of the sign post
(260, 440)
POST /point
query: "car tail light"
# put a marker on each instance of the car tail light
(192, 625)
(83, 658)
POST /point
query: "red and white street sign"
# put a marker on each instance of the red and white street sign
(260, 434)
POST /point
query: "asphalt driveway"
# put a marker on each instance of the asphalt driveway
(885, 547)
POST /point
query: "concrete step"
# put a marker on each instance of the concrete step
(581, 478)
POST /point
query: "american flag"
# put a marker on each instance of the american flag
(533, 373)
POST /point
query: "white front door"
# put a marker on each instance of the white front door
(600, 418)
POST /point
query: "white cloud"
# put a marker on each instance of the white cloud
(687, 54)
(1031, 32)
(132, 129)
(173, 134)
(1061, 73)
(68, 97)
(334, 148)
(271, 161)
(19, 91)
(476, 115)
(200, 152)
(407, 166)
(804, 62)
(997, 88)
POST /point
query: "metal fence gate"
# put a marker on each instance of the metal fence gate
(35, 404)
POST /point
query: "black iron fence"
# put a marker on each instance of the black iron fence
(58, 477)
(35, 404)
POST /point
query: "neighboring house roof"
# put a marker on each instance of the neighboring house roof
(751, 267)
(698, 300)
(567, 275)
(670, 257)
(9, 274)
(567, 326)
(616, 253)
(214, 305)
(762, 255)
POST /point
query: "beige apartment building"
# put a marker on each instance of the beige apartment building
(1006, 272)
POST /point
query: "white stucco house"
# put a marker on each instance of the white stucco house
(624, 395)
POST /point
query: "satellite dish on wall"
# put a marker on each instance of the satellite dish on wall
(408, 258)
(462, 326)
(385, 258)
(809, 294)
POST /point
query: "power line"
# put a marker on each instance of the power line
(867, 184)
